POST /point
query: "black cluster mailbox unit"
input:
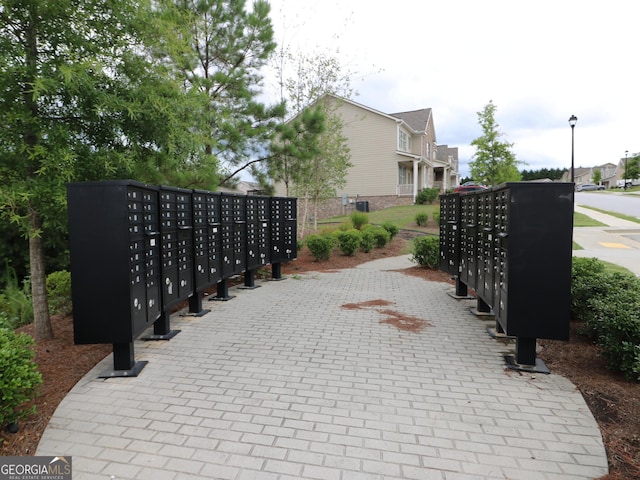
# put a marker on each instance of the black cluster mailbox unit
(515, 252)
(139, 250)
(114, 237)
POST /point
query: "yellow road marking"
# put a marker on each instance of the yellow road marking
(614, 245)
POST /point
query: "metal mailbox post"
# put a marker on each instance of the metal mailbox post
(207, 246)
(176, 240)
(519, 236)
(534, 225)
(257, 237)
(450, 237)
(284, 246)
(114, 237)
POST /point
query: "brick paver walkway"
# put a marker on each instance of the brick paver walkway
(284, 383)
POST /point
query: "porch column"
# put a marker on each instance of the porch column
(415, 180)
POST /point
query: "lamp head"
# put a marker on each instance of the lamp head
(573, 120)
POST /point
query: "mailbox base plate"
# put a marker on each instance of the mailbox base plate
(461, 297)
(493, 333)
(539, 367)
(166, 336)
(222, 299)
(479, 313)
(133, 372)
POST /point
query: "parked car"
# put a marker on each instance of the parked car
(630, 183)
(469, 187)
(589, 186)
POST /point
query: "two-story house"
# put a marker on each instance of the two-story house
(393, 157)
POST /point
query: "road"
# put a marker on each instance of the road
(611, 202)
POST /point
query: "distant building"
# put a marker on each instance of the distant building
(394, 156)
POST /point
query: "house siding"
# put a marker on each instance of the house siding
(372, 141)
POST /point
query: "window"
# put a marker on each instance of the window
(405, 175)
(404, 141)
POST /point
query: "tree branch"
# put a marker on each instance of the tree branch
(229, 177)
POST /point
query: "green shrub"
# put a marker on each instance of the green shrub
(380, 235)
(427, 196)
(426, 251)
(321, 246)
(367, 240)
(422, 219)
(436, 217)
(19, 378)
(349, 241)
(586, 274)
(615, 325)
(346, 225)
(359, 219)
(391, 228)
(608, 304)
(59, 292)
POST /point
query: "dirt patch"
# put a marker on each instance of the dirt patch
(399, 320)
(367, 304)
(404, 322)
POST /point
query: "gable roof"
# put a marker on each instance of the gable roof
(416, 119)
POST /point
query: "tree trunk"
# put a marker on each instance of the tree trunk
(41, 320)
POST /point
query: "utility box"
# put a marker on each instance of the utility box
(362, 206)
(114, 237)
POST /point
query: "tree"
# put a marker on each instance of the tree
(632, 168)
(78, 101)
(543, 173)
(324, 172)
(217, 54)
(493, 162)
(597, 176)
(314, 83)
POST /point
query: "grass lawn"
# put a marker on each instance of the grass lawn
(402, 217)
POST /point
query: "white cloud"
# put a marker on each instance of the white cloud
(540, 62)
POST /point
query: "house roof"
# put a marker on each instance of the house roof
(416, 119)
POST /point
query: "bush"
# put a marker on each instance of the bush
(422, 219)
(380, 235)
(15, 304)
(436, 217)
(20, 378)
(349, 241)
(367, 240)
(427, 196)
(59, 292)
(426, 251)
(321, 246)
(608, 304)
(586, 274)
(359, 219)
(391, 228)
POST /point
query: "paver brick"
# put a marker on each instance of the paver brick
(274, 386)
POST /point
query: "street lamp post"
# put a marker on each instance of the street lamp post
(624, 180)
(572, 121)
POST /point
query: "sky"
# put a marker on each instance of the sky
(538, 61)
